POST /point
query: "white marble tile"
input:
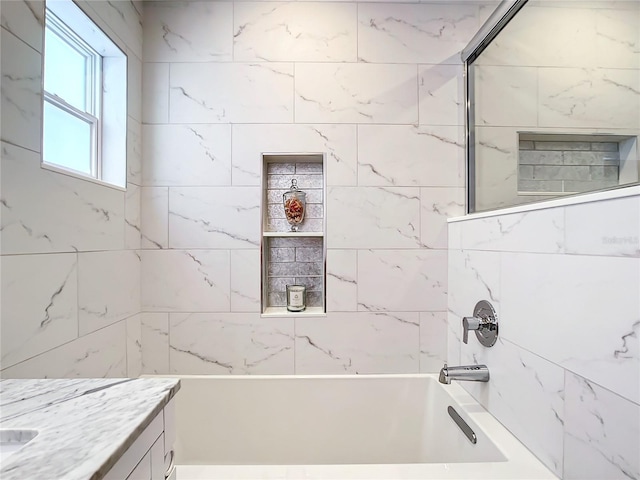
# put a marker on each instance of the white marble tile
(572, 43)
(356, 93)
(100, 354)
(441, 94)
(25, 19)
(122, 19)
(295, 32)
(154, 208)
(358, 343)
(566, 97)
(611, 227)
(43, 211)
(473, 276)
(454, 339)
(108, 288)
(134, 87)
(373, 217)
(134, 346)
(188, 32)
(540, 231)
(595, 290)
(185, 280)
(245, 280)
(214, 217)
(496, 168)
(39, 304)
(436, 205)
(499, 86)
(338, 142)
(407, 155)
(132, 220)
(602, 433)
(414, 33)
(187, 155)
(155, 92)
(231, 93)
(433, 341)
(342, 280)
(402, 280)
(230, 344)
(454, 235)
(525, 393)
(155, 342)
(21, 102)
(617, 44)
(134, 151)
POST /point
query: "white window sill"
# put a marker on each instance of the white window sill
(70, 173)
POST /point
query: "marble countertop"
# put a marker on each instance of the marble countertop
(84, 425)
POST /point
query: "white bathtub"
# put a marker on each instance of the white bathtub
(340, 427)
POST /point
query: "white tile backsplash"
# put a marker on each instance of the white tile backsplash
(154, 331)
(207, 147)
(338, 142)
(407, 155)
(361, 343)
(373, 217)
(570, 274)
(108, 288)
(599, 288)
(44, 211)
(602, 433)
(402, 280)
(208, 343)
(214, 217)
(100, 354)
(356, 93)
(295, 32)
(39, 304)
(188, 32)
(199, 281)
(21, 99)
(433, 341)
(418, 33)
(24, 19)
(199, 93)
(71, 277)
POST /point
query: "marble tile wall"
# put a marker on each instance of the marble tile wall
(369, 85)
(69, 248)
(583, 79)
(565, 373)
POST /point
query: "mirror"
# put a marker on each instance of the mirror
(553, 98)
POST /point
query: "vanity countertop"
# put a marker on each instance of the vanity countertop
(84, 425)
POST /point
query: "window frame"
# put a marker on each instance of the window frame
(106, 111)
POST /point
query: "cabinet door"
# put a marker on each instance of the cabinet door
(142, 470)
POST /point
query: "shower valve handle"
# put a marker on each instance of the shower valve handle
(484, 322)
(469, 323)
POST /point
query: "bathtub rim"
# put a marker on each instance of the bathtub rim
(518, 456)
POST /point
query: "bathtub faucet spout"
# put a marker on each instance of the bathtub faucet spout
(471, 373)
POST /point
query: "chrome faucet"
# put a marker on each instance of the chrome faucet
(471, 373)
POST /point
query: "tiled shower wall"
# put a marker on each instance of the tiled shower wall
(582, 79)
(377, 87)
(565, 372)
(567, 166)
(70, 267)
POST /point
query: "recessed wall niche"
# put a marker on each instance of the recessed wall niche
(289, 257)
(560, 164)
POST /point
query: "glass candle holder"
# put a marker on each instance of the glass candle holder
(296, 298)
(294, 205)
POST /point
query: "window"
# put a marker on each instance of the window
(84, 123)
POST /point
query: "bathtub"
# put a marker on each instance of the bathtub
(340, 427)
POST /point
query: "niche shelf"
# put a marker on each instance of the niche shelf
(293, 257)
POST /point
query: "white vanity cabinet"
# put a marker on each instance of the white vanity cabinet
(150, 457)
